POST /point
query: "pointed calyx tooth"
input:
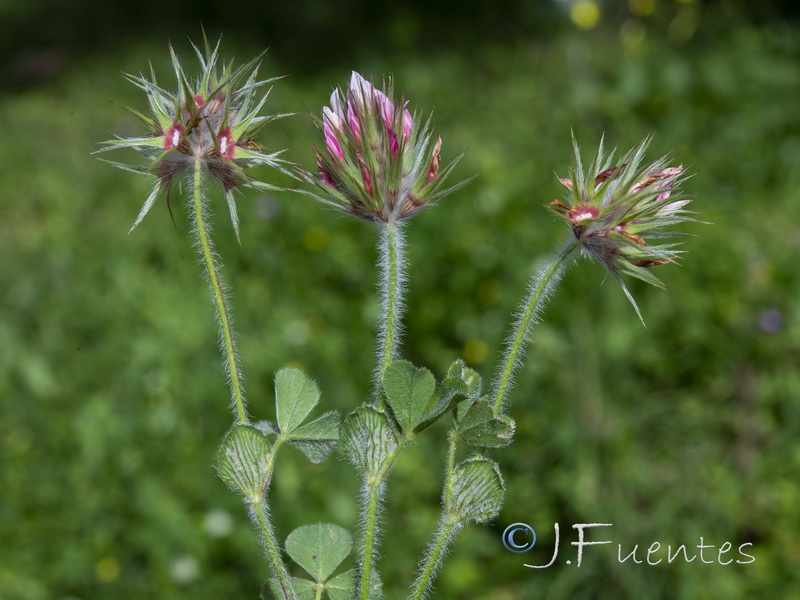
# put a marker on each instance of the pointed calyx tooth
(566, 182)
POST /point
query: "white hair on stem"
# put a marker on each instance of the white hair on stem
(210, 261)
(540, 288)
(443, 551)
(391, 288)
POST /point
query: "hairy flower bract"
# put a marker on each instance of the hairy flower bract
(380, 161)
(213, 118)
(615, 209)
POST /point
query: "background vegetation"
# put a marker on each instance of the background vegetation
(111, 396)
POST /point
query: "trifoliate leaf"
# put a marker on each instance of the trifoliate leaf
(469, 376)
(242, 461)
(318, 438)
(450, 391)
(303, 589)
(409, 391)
(454, 370)
(296, 395)
(319, 548)
(478, 491)
(341, 587)
(477, 425)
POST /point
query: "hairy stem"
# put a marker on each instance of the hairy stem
(228, 341)
(392, 286)
(444, 535)
(375, 486)
(272, 549)
(541, 286)
(445, 532)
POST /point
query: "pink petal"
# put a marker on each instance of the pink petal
(386, 107)
(394, 146)
(360, 89)
(407, 124)
(332, 142)
(336, 104)
(352, 121)
(332, 118)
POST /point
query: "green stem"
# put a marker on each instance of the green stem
(450, 468)
(206, 250)
(541, 286)
(392, 270)
(265, 529)
(372, 503)
(444, 534)
(272, 550)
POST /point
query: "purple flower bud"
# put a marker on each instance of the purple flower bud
(361, 90)
(376, 174)
(394, 144)
(407, 124)
(336, 105)
(386, 107)
(331, 142)
(352, 121)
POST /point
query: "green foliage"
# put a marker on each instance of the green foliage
(367, 439)
(318, 438)
(111, 405)
(478, 491)
(477, 425)
(296, 395)
(410, 392)
(242, 461)
(319, 549)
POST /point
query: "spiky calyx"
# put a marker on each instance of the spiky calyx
(614, 208)
(380, 162)
(213, 118)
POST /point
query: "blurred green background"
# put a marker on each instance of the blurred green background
(112, 400)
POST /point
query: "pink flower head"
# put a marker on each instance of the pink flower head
(375, 164)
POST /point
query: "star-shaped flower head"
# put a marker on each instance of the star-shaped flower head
(380, 162)
(615, 209)
(212, 118)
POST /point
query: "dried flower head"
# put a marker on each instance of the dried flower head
(212, 118)
(380, 161)
(615, 208)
